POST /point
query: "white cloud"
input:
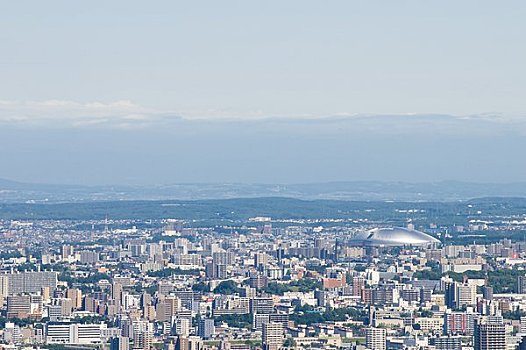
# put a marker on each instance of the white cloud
(125, 114)
(118, 114)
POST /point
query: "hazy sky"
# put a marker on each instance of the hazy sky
(262, 91)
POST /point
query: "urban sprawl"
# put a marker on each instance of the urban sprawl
(261, 284)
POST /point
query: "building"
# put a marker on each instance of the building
(54, 312)
(375, 338)
(393, 237)
(465, 294)
(230, 304)
(247, 292)
(358, 283)
(272, 336)
(76, 297)
(260, 319)
(487, 293)
(522, 344)
(89, 257)
(258, 281)
(182, 327)
(216, 270)
(73, 333)
(226, 257)
(460, 323)
(167, 308)
(458, 295)
(66, 251)
(4, 286)
(189, 343)
(18, 306)
(31, 282)
(261, 306)
(119, 343)
(447, 343)
(186, 297)
(521, 284)
(143, 340)
(206, 328)
(489, 335)
(11, 333)
(430, 324)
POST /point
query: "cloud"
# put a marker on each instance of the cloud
(125, 114)
(64, 113)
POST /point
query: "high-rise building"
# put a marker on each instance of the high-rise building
(54, 312)
(205, 328)
(119, 343)
(182, 327)
(258, 281)
(261, 259)
(76, 297)
(521, 284)
(189, 343)
(143, 340)
(186, 297)
(425, 295)
(89, 257)
(459, 323)
(261, 306)
(465, 294)
(4, 286)
(225, 257)
(66, 305)
(215, 270)
(18, 306)
(272, 336)
(522, 325)
(358, 283)
(487, 293)
(66, 251)
(375, 338)
(167, 308)
(260, 319)
(247, 292)
(458, 295)
(489, 335)
(31, 282)
(449, 294)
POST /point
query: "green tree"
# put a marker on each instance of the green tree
(201, 287)
(227, 288)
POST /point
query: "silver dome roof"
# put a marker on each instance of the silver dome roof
(393, 237)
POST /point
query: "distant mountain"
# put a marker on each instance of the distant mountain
(218, 211)
(18, 192)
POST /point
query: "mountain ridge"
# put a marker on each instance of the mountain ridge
(450, 190)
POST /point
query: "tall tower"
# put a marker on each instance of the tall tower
(106, 226)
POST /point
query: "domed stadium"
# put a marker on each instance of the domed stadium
(393, 237)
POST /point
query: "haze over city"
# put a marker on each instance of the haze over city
(127, 92)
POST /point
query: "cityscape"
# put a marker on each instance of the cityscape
(262, 175)
(353, 281)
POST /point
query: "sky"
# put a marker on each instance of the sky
(135, 92)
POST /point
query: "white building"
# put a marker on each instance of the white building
(74, 333)
(375, 338)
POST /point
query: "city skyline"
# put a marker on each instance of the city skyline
(262, 175)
